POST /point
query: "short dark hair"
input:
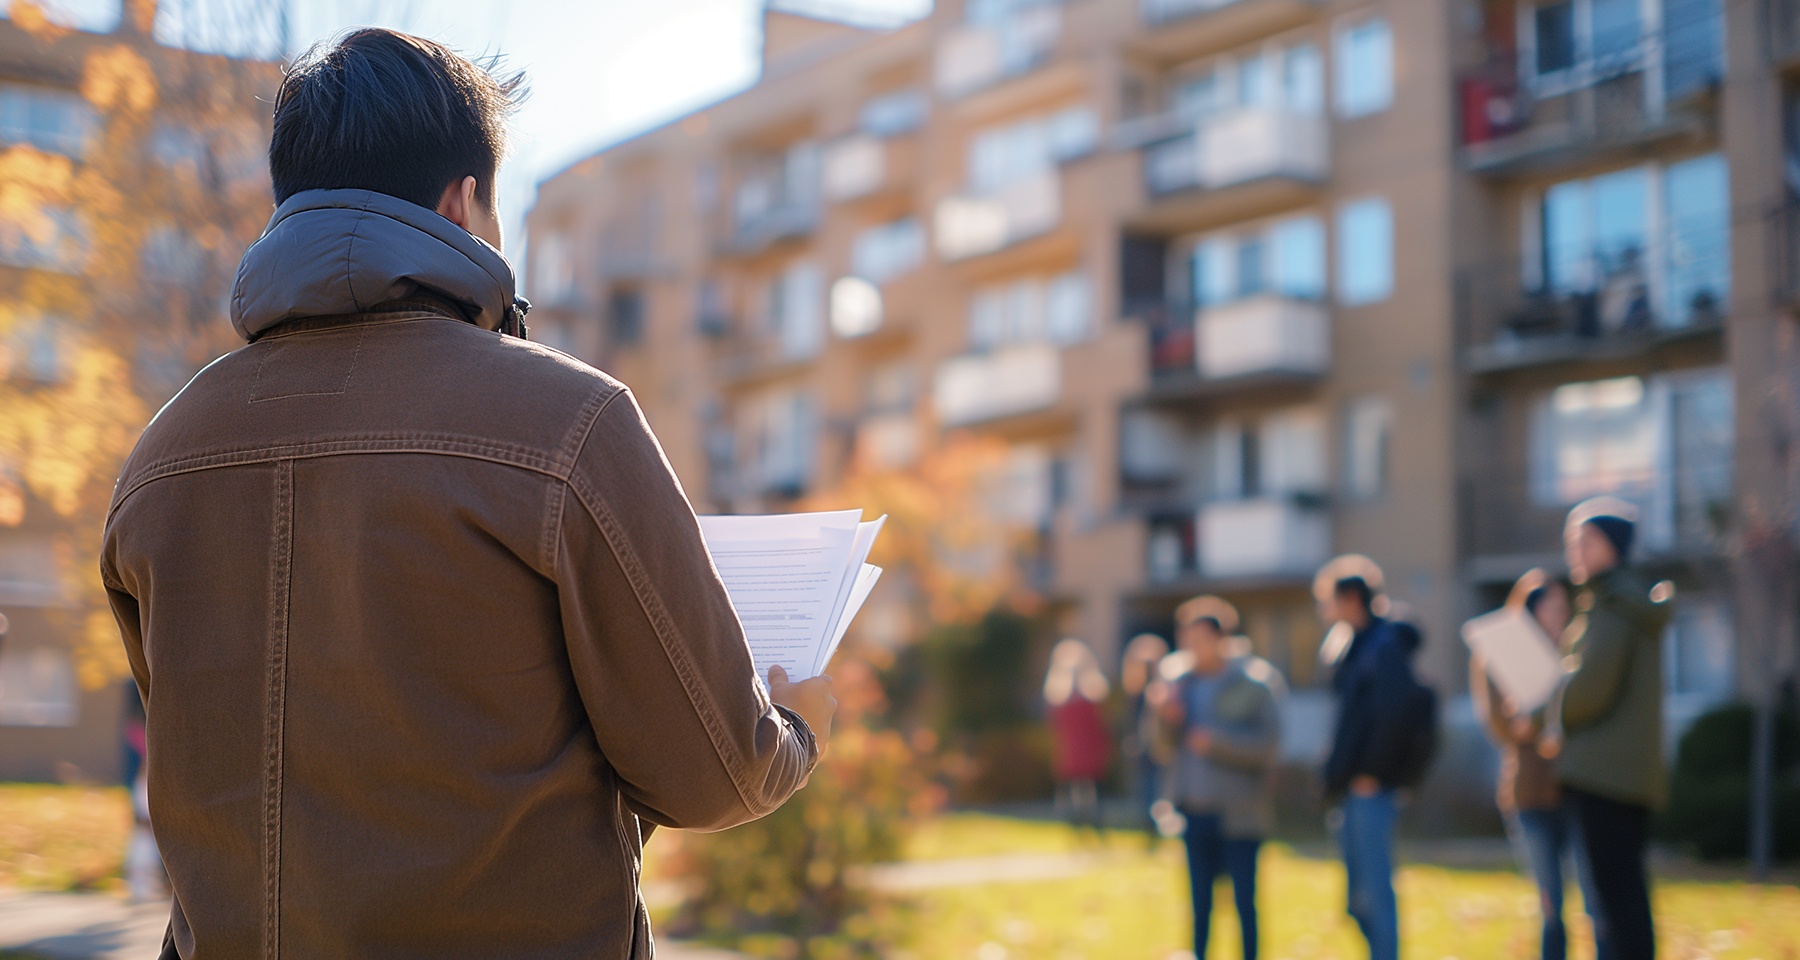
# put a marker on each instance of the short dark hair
(1355, 587)
(380, 110)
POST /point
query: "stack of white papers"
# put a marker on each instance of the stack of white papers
(1521, 659)
(796, 580)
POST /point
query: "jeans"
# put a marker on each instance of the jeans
(1210, 852)
(1614, 837)
(1543, 840)
(1367, 837)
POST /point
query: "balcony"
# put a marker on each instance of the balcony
(1612, 308)
(1653, 92)
(977, 56)
(864, 165)
(1263, 539)
(756, 231)
(1262, 339)
(1013, 380)
(1513, 524)
(971, 225)
(1239, 147)
(1176, 30)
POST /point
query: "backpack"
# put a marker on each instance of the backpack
(1406, 726)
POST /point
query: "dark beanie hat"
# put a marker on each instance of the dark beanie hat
(1618, 531)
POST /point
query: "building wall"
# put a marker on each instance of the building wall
(1463, 217)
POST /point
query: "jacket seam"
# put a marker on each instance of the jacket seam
(501, 453)
(572, 449)
(275, 716)
(657, 613)
(349, 248)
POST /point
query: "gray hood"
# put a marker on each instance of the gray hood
(330, 252)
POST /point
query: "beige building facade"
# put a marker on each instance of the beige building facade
(1242, 285)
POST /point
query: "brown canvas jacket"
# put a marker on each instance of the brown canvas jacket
(423, 621)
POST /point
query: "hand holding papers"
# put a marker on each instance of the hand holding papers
(796, 580)
(1520, 658)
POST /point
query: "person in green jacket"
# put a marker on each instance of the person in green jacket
(1605, 722)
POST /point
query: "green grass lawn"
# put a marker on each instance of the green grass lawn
(1133, 904)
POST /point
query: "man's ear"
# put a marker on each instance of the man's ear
(458, 202)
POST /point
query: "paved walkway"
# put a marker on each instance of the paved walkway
(96, 926)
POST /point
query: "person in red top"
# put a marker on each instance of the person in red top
(1074, 689)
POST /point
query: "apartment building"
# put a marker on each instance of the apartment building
(58, 720)
(1241, 284)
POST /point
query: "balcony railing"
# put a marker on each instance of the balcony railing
(863, 164)
(1269, 536)
(971, 225)
(786, 220)
(976, 56)
(1266, 334)
(1236, 147)
(1683, 514)
(1012, 380)
(1606, 304)
(1640, 93)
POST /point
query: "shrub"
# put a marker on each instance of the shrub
(1709, 792)
(785, 885)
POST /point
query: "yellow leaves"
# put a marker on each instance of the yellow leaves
(100, 659)
(118, 78)
(33, 184)
(67, 437)
(30, 17)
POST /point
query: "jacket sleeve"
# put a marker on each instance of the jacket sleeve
(1350, 742)
(1252, 751)
(1591, 690)
(1488, 708)
(658, 653)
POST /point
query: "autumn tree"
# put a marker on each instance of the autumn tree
(121, 224)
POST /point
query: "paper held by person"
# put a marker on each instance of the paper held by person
(1522, 660)
(797, 580)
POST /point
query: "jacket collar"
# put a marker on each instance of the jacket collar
(338, 252)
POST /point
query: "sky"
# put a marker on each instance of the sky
(599, 70)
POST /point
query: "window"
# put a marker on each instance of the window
(552, 269)
(1664, 443)
(1286, 257)
(54, 121)
(1368, 431)
(1570, 42)
(1699, 651)
(1365, 257)
(1554, 29)
(1642, 264)
(1365, 68)
(795, 310)
(1058, 310)
(880, 254)
(784, 428)
(893, 114)
(625, 318)
(1280, 454)
(1001, 156)
(1273, 76)
(37, 687)
(32, 349)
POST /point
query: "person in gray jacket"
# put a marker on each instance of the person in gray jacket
(1223, 712)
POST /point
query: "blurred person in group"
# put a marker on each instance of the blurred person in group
(1605, 723)
(1382, 742)
(1223, 715)
(1074, 692)
(144, 876)
(427, 632)
(1142, 748)
(1528, 794)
